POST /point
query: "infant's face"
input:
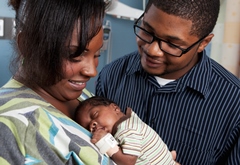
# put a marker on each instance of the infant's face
(99, 117)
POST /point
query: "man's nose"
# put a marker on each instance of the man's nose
(154, 49)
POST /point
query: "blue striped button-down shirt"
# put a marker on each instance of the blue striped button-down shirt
(197, 115)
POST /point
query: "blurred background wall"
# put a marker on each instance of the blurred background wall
(224, 48)
(5, 46)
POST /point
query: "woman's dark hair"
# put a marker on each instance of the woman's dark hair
(202, 13)
(45, 28)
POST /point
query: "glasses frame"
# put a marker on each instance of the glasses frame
(154, 38)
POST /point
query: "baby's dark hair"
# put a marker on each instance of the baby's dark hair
(94, 101)
(202, 13)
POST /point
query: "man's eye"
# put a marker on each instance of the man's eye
(171, 46)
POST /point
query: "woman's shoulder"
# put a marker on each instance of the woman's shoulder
(36, 124)
(14, 95)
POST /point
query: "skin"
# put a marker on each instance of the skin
(94, 118)
(175, 30)
(63, 95)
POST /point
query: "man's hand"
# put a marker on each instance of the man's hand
(174, 155)
(97, 135)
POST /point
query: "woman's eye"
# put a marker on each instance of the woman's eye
(97, 54)
(76, 59)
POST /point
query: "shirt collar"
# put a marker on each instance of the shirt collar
(198, 78)
(125, 117)
(136, 66)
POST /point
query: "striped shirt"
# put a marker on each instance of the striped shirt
(34, 132)
(137, 138)
(197, 115)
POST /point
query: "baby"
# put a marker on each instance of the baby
(134, 142)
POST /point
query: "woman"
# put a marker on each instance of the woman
(57, 45)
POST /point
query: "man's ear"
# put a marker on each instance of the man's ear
(205, 42)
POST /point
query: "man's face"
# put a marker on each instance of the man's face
(172, 29)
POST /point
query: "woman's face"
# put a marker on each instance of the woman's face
(79, 70)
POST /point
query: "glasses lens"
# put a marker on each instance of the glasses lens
(147, 37)
(169, 48)
(164, 46)
(143, 35)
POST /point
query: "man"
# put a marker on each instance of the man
(191, 101)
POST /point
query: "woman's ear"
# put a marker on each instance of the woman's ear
(205, 42)
(20, 41)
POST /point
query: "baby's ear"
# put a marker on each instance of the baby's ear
(115, 106)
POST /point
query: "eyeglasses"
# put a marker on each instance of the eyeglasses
(165, 46)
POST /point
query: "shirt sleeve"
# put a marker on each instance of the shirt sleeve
(130, 141)
(232, 150)
(12, 149)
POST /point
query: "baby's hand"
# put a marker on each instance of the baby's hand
(97, 135)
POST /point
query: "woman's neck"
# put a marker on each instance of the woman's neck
(67, 107)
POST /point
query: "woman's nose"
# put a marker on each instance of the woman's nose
(90, 69)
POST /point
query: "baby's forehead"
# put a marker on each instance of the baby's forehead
(86, 107)
(90, 107)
